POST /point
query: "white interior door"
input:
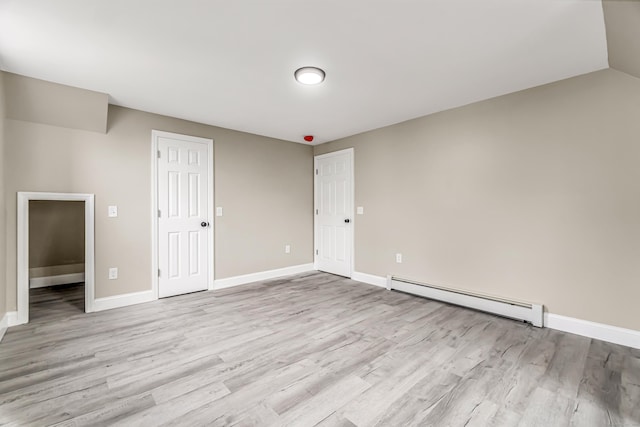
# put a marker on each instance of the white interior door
(184, 216)
(334, 212)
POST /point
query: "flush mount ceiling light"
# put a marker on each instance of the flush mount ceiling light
(309, 75)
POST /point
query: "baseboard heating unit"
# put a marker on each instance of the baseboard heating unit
(527, 312)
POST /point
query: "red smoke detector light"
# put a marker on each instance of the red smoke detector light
(308, 138)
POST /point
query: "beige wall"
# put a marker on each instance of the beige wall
(3, 272)
(40, 101)
(56, 236)
(622, 19)
(263, 184)
(533, 196)
(265, 188)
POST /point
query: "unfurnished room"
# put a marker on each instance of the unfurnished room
(338, 213)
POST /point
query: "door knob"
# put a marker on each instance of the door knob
(347, 220)
(204, 224)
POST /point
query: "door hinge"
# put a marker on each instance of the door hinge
(158, 153)
(316, 171)
(158, 272)
(159, 213)
(316, 252)
(316, 211)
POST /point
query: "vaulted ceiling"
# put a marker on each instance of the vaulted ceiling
(231, 63)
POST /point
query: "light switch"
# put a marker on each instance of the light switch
(287, 249)
(219, 211)
(399, 258)
(113, 211)
(113, 273)
(360, 210)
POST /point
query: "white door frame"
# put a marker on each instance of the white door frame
(315, 206)
(23, 247)
(155, 134)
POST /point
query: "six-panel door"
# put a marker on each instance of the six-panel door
(334, 202)
(183, 228)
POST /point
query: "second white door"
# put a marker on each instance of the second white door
(334, 212)
(184, 229)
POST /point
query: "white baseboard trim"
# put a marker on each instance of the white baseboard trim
(600, 331)
(4, 324)
(262, 275)
(117, 301)
(60, 279)
(12, 319)
(369, 279)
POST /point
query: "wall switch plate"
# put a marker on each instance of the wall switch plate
(113, 211)
(287, 249)
(360, 210)
(399, 258)
(113, 273)
(219, 211)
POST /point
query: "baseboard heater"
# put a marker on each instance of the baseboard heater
(527, 312)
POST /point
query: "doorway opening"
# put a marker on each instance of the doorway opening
(56, 259)
(55, 253)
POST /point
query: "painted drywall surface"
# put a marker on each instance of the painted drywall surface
(40, 101)
(533, 196)
(56, 237)
(3, 271)
(622, 21)
(266, 194)
(263, 184)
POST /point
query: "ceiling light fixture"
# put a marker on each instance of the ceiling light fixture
(309, 75)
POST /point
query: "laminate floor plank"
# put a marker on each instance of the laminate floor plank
(372, 405)
(310, 349)
(179, 405)
(415, 405)
(321, 405)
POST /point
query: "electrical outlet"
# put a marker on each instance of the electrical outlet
(112, 211)
(399, 258)
(287, 249)
(113, 273)
(360, 210)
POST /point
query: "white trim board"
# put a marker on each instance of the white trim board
(369, 279)
(23, 247)
(263, 275)
(4, 324)
(12, 318)
(599, 331)
(124, 300)
(117, 301)
(59, 279)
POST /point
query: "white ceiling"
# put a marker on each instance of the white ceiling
(231, 63)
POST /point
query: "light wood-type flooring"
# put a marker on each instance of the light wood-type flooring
(311, 349)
